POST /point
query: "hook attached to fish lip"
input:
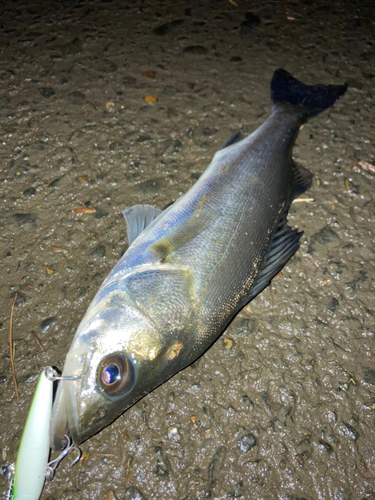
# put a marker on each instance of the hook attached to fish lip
(53, 376)
(59, 426)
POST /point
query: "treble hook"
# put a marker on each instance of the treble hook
(51, 467)
(8, 473)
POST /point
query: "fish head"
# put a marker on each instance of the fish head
(117, 356)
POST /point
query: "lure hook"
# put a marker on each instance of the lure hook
(8, 473)
(53, 376)
(51, 467)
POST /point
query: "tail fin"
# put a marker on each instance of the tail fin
(311, 99)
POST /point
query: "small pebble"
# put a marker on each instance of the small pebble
(247, 442)
(228, 343)
(110, 496)
(173, 434)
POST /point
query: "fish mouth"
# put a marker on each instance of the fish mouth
(79, 410)
(65, 420)
(59, 423)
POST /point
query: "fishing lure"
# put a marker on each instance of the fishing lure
(32, 458)
(26, 478)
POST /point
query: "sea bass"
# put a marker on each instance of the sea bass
(190, 269)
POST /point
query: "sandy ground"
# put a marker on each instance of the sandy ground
(283, 405)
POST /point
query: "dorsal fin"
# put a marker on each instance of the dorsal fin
(138, 218)
(302, 180)
(284, 244)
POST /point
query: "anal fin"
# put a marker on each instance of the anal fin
(235, 137)
(284, 244)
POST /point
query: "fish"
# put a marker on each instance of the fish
(189, 269)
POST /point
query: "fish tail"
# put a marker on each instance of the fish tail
(309, 100)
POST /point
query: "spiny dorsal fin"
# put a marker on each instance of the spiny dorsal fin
(284, 244)
(302, 179)
(138, 218)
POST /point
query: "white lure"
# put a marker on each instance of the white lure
(33, 452)
(26, 478)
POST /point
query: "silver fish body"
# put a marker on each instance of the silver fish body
(190, 270)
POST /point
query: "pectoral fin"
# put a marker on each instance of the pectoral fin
(164, 293)
(185, 228)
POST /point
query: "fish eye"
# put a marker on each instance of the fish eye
(116, 375)
(111, 373)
